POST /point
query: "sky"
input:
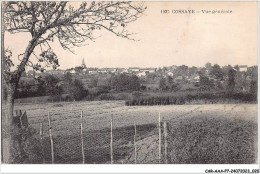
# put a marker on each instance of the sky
(168, 39)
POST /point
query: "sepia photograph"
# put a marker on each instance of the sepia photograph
(121, 82)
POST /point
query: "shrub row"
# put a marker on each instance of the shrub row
(186, 98)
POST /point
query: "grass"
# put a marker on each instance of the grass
(193, 140)
(212, 140)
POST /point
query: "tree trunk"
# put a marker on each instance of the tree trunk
(11, 133)
(11, 139)
(10, 130)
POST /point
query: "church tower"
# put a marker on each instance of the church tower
(83, 65)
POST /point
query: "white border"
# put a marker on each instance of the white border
(129, 168)
(120, 168)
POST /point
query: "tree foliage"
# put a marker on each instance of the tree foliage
(125, 82)
(231, 80)
(31, 88)
(253, 87)
(67, 82)
(162, 84)
(52, 86)
(77, 91)
(93, 82)
(192, 70)
(205, 83)
(74, 87)
(208, 65)
(217, 72)
(182, 70)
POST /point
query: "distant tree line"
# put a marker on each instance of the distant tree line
(51, 85)
(213, 79)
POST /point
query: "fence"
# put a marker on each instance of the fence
(111, 133)
(89, 142)
(100, 134)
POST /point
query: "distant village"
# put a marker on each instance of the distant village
(189, 74)
(103, 82)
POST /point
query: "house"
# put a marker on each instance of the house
(39, 74)
(212, 78)
(178, 79)
(73, 71)
(121, 70)
(207, 71)
(195, 78)
(170, 74)
(102, 70)
(140, 74)
(107, 70)
(55, 72)
(173, 67)
(30, 73)
(150, 70)
(242, 68)
(133, 69)
(90, 70)
(111, 70)
(93, 72)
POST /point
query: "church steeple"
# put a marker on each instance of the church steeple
(83, 65)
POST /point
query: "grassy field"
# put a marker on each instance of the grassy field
(213, 140)
(194, 130)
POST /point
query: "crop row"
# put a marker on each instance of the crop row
(187, 98)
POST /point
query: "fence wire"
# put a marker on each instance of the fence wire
(124, 134)
(97, 144)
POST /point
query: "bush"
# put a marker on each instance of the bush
(123, 82)
(136, 94)
(102, 90)
(253, 87)
(106, 97)
(76, 90)
(31, 147)
(121, 96)
(245, 97)
(143, 88)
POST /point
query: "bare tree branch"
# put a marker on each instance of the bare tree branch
(72, 25)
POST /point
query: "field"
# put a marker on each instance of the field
(185, 121)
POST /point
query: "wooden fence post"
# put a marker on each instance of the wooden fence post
(41, 136)
(50, 132)
(111, 141)
(159, 127)
(165, 142)
(82, 141)
(135, 144)
(24, 120)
